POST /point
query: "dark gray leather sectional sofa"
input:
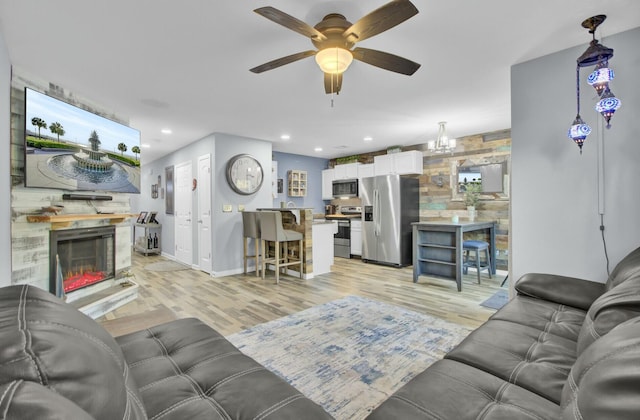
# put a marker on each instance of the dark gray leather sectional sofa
(56, 363)
(563, 348)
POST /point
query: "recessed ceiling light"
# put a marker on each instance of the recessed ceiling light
(318, 149)
(166, 131)
(285, 137)
(368, 138)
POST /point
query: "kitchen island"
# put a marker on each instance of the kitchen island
(315, 236)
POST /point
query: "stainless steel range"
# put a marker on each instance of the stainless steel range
(342, 239)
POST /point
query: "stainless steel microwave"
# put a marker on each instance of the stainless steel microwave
(345, 188)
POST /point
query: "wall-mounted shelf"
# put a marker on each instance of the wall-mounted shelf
(59, 221)
(297, 183)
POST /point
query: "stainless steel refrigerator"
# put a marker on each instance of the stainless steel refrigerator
(390, 203)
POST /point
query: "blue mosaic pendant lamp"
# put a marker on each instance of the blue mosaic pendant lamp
(598, 55)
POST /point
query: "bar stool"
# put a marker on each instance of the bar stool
(251, 230)
(477, 246)
(271, 230)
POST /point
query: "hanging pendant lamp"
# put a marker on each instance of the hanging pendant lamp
(598, 55)
(443, 144)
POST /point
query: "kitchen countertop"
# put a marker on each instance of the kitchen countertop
(342, 216)
(284, 208)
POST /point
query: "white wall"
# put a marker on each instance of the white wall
(555, 195)
(226, 227)
(5, 173)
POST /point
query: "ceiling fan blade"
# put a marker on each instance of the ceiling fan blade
(290, 22)
(385, 61)
(381, 19)
(282, 61)
(332, 83)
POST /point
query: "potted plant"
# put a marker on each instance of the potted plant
(471, 197)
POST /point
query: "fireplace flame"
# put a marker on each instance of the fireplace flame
(82, 276)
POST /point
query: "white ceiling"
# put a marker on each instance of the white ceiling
(184, 65)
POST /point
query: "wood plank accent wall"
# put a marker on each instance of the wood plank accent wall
(437, 182)
(30, 241)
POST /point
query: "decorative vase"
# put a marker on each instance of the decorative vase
(471, 211)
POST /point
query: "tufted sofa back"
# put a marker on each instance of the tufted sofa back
(604, 380)
(57, 363)
(628, 267)
(612, 308)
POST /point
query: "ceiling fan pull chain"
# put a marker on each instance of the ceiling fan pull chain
(332, 90)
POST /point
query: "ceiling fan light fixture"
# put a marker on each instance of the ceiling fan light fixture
(334, 60)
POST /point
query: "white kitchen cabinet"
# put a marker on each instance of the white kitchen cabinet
(327, 184)
(403, 163)
(346, 171)
(322, 247)
(356, 237)
(383, 165)
(364, 171)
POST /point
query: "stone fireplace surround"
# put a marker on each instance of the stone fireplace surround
(30, 242)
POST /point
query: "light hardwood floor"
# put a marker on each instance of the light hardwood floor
(233, 303)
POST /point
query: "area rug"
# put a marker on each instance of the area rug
(350, 354)
(166, 266)
(498, 300)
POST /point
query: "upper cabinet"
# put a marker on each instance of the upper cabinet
(297, 183)
(403, 163)
(346, 171)
(327, 184)
(366, 170)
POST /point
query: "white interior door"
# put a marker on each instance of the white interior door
(183, 210)
(204, 213)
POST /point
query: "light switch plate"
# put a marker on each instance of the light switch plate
(240, 207)
(227, 208)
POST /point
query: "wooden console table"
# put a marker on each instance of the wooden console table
(437, 248)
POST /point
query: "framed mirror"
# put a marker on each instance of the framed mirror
(492, 176)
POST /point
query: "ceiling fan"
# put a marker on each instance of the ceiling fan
(334, 37)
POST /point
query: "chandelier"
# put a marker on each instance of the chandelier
(443, 144)
(598, 55)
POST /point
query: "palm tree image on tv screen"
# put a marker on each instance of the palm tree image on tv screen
(72, 149)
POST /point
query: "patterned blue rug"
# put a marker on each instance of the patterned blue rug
(497, 300)
(350, 354)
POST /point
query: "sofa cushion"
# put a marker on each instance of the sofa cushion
(626, 268)
(611, 309)
(604, 383)
(453, 390)
(50, 343)
(29, 400)
(543, 315)
(570, 291)
(186, 370)
(526, 356)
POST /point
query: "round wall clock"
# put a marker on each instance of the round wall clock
(244, 174)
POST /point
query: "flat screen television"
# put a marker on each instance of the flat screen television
(71, 149)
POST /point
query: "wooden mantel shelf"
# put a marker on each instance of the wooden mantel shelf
(64, 220)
